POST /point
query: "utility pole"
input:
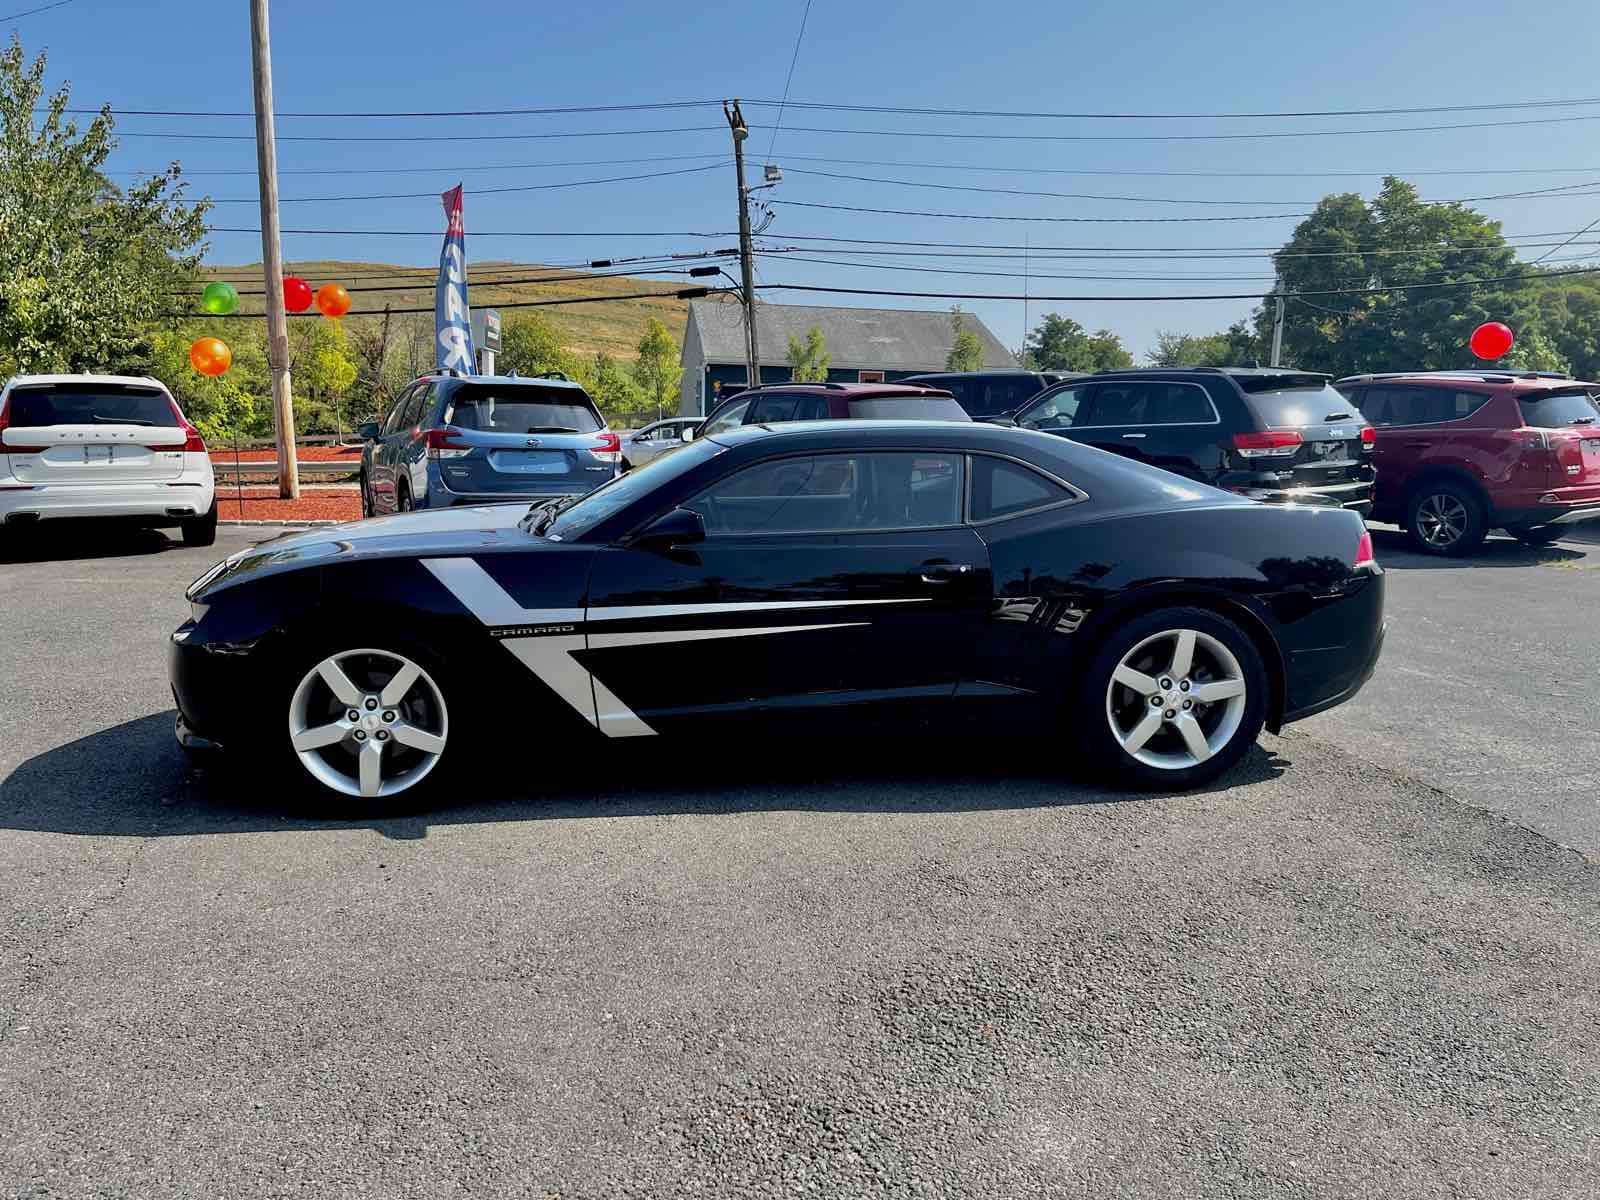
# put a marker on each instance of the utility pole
(272, 253)
(1277, 327)
(746, 255)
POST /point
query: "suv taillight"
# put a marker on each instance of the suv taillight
(1569, 454)
(192, 441)
(607, 447)
(5, 417)
(443, 443)
(1369, 437)
(1275, 443)
(1366, 560)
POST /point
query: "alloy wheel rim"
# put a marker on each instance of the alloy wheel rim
(1442, 519)
(368, 723)
(1176, 699)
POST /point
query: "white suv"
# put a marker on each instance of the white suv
(103, 446)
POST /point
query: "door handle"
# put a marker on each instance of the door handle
(1417, 445)
(1135, 435)
(936, 572)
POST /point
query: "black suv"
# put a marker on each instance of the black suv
(1266, 433)
(987, 394)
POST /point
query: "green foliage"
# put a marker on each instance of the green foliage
(235, 405)
(1535, 352)
(966, 350)
(1393, 241)
(83, 265)
(657, 369)
(614, 390)
(1059, 343)
(531, 345)
(808, 363)
(1189, 350)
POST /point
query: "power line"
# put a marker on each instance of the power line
(1165, 250)
(433, 233)
(30, 12)
(491, 275)
(912, 212)
(529, 187)
(681, 294)
(430, 170)
(423, 284)
(1568, 242)
(470, 112)
(1185, 116)
(453, 137)
(794, 58)
(1402, 287)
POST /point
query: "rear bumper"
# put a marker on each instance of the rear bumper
(153, 503)
(441, 493)
(1357, 496)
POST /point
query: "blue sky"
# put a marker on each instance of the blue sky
(1165, 56)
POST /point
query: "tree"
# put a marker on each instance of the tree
(1059, 343)
(808, 363)
(1395, 240)
(225, 407)
(530, 345)
(1189, 350)
(83, 265)
(614, 389)
(324, 369)
(658, 370)
(966, 350)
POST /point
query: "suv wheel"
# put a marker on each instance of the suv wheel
(1446, 518)
(366, 498)
(402, 499)
(202, 530)
(1174, 698)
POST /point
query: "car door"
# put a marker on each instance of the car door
(380, 462)
(1170, 424)
(825, 581)
(1057, 409)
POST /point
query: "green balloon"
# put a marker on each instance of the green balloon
(220, 298)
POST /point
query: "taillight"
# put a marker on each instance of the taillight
(1369, 437)
(1569, 455)
(1533, 439)
(446, 443)
(1366, 560)
(607, 447)
(5, 417)
(192, 442)
(1275, 443)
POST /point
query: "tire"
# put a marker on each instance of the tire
(1115, 707)
(1541, 536)
(1446, 518)
(402, 499)
(407, 741)
(201, 531)
(366, 499)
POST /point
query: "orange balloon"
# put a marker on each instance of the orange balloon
(210, 356)
(333, 300)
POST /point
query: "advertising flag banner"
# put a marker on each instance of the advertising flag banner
(452, 317)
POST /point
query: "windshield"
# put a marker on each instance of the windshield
(1551, 410)
(99, 404)
(611, 498)
(521, 408)
(1297, 407)
(908, 408)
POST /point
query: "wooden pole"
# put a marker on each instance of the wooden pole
(272, 254)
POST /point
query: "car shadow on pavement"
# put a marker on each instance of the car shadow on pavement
(1395, 553)
(64, 541)
(132, 781)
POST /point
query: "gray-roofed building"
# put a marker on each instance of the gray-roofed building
(866, 344)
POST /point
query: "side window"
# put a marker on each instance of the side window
(835, 493)
(730, 418)
(811, 408)
(1177, 404)
(1054, 410)
(392, 422)
(1467, 403)
(769, 409)
(1004, 489)
(420, 404)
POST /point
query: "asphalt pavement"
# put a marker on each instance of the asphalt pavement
(1365, 963)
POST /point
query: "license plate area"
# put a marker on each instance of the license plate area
(530, 462)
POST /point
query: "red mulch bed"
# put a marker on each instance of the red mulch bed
(342, 504)
(352, 454)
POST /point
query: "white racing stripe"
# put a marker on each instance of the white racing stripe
(551, 657)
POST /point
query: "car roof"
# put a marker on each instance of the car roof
(1005, 372)
(836, 433)
(40, 380)
(512, 380)
(1513, 381)
(1245, 372)
(853, 391)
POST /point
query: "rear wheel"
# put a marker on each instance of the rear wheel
(1174, 698)
(202, 530)
(366, 498)
(1446, 518)
(367, 724)
(402, 499)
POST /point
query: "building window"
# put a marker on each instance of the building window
(869, 376)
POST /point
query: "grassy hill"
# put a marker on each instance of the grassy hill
(613, 326)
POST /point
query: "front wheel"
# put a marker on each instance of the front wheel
(1446, 518)
(202, 530)
(367, 723)
(1174, 698)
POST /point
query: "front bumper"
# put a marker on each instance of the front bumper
(154, 503)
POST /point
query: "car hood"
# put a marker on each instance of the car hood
(404, 535)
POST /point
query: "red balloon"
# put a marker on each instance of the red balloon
(1491, 339)
(296, 294)
(333, 300)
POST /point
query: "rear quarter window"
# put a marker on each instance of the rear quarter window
(91, 404)
(908, 408)
(1552, 410)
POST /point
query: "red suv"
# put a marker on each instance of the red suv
(1462, 452)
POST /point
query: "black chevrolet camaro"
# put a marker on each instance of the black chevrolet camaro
(842, 571)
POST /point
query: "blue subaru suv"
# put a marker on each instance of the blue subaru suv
(485, 439)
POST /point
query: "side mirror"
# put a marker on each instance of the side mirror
(368, 430)
(679, 527)
(688, 434)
